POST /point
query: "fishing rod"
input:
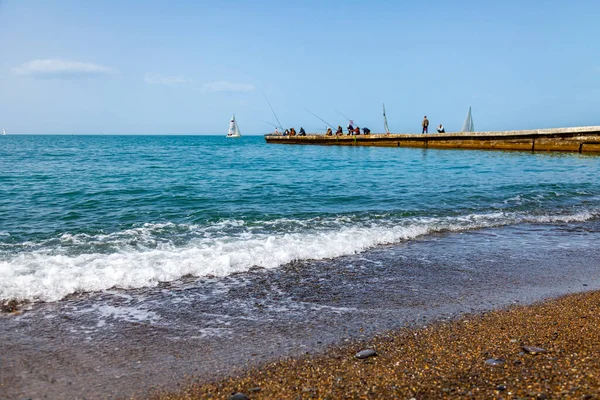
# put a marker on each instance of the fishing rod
(342, 115)
(273, 111)
(328, 124)
(267, 122)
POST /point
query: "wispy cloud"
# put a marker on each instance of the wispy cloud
(169, 80)
(56, 68)
(224, 86)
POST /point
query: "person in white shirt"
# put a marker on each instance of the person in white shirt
(440, 129)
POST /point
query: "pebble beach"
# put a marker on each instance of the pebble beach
(543, 351)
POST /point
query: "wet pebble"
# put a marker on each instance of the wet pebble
(238, 396)
(533, 350)
(365, 353)
(501, 387)
(9, 306)
(494, 361)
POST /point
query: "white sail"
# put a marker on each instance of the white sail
(468, 126)
(234, 130)
(3, 131)
(237, 130)
(385, 125)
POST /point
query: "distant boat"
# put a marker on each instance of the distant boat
(234, 130)
(468, 125)
(3, 131)
(385, 125)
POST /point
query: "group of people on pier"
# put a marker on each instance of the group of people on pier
(425, 126)
(354, 130)
(292, 132)
(351, 131)
(339, 132)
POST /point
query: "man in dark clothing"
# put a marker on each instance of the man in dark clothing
(350, 129)
(425, 124)
(366, 131)
(302, 132)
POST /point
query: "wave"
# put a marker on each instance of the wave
(153, 253)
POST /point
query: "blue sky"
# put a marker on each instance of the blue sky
(182, 67)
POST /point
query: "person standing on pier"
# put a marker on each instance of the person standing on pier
(425, 124)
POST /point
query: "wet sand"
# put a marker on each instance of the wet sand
(122, 343)
(543, 351)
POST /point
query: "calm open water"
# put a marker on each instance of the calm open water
(88, 213)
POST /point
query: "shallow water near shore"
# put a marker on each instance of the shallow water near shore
(119, 343)
(146, 259)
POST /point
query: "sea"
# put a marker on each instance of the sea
(217, 254)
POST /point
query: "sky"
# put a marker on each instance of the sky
(183, 67)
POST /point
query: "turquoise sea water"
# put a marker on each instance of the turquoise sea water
(87, 213)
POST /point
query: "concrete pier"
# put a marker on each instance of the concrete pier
(584, 139)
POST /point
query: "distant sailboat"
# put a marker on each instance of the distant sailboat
(385, 125)
(468, 125)
(3, 131)
(234, 130)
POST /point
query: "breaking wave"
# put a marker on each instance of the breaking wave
(144, 256)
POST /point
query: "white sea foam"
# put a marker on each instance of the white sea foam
(221, 249)
(128, 314)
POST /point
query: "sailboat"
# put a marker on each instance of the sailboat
(3, 131)
(234, 130)
(385, 125)
(468, 125)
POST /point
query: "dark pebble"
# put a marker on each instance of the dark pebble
(494, 361)
(533, 350)
(10, 306)
(501, 387)
(238, 396)
(365, 353)
(254, 389)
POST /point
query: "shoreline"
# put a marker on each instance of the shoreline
(123, 343)
(544, 350)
